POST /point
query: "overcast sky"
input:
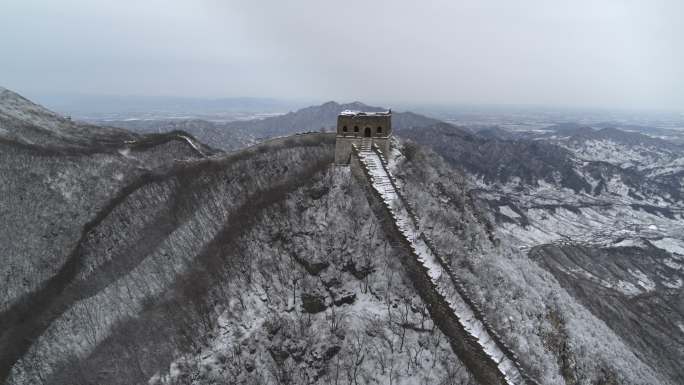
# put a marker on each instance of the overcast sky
(593, 53)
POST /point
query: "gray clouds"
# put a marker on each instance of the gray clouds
(580, 53)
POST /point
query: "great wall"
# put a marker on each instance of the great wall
(475, 341)
(457, 315)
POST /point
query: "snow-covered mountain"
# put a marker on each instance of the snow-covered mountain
(25, 122)
(153, 259)
(602, 210)
(134, 258)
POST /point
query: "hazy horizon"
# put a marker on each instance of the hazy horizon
(612, 55)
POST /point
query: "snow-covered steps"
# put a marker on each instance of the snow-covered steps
(448, 286)
(366, 144)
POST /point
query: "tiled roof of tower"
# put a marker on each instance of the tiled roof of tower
(361, 113)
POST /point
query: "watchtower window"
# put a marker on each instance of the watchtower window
(344, 128)
(367, 132)
(379, 131)
(356, 128)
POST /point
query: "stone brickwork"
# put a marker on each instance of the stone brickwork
(486, 356)
(354, 127)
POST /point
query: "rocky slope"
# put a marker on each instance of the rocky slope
(24, 122)
(605, 223)
(57, 175)
(560, 339)
(154, 262)
(131, 258)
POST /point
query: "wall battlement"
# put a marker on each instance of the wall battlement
(460, 318)
(355, 127)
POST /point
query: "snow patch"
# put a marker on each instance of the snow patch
(628, 243)
(681, 326)
(675, 284)
(672, 264)
(643, 280)
(125, 152)
(674, 246)
(508, 211)
(627, 288)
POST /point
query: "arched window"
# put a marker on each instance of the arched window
(379, 131)
(344, 128)
(356, 128)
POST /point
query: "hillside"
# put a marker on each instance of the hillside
(175, 253)
(610, 233)
(27, 123)
(156, 259)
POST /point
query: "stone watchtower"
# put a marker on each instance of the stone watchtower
(362, 128)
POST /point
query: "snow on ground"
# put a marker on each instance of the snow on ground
(676, 284)
(643, 157)
(667, 168)
(643, 280)
(672, 264)
(675, 246)
(628, 243)
(381, 182)
(17, 107)
(627, 288)
(557, 215)
(507, 211)
(371, 324)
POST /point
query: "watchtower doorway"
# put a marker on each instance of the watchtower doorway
(367, 132)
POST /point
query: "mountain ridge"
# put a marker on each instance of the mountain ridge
(178, 287)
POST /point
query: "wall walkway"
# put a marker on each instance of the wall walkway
(472, 337)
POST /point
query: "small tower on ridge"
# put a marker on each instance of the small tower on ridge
(369, 128)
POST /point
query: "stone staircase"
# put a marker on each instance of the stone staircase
(366, 144)
(379, 178)
(483, 340)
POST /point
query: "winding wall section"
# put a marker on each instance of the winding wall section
(461, 319)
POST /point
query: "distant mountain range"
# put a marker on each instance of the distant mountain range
(237, 134)
(497, 155)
